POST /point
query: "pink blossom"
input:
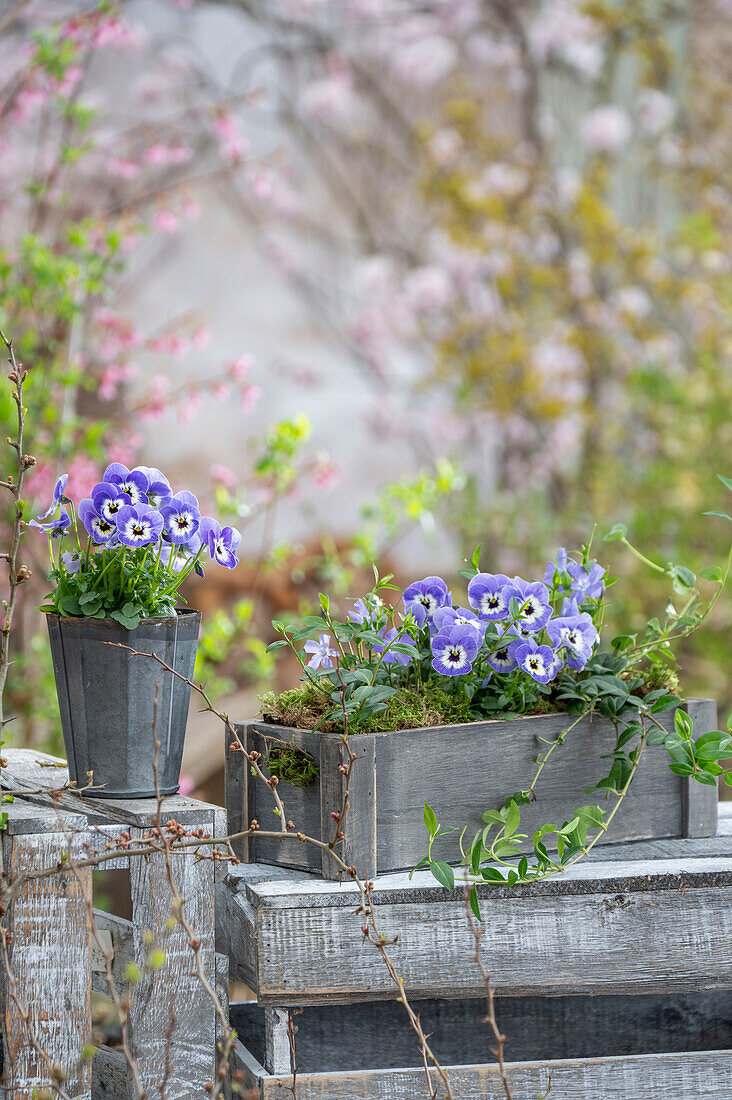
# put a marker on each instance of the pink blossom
(155, 404)
(222, 475)
(201, 337)
(426, 61)
(123, 169)
(179, 154)
(71, 78)
(189, 208)
(165, 221)
(187, 784)
(655, 110)
(240, 367)
(226, 127)
(170, 343)
(605, 129)
(326, 474)
(220, 391)
(234, 151)
(250, 395)
(83, 473)
(330, 100)
(157, 154)
(190, 405)
(427, 288)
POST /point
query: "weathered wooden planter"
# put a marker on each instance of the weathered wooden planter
(461, 771)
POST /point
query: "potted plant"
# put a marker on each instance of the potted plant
(133, 543)
(496, 712)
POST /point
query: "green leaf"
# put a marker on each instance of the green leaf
(324, 602)
(711, 573)
(430, 819)
(513, 820)
(725, 481)
(491, 874)
(619, 531)
(444, 873)
(475, 905)
(275, 645)
(722, 515)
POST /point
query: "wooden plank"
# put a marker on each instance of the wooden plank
(29, 770)
(536, 1028)
(609, 927)
(121, 937)
(277, 1054)
(684, 1076)
(302, 804)
(50, 957)
(358, 849)
(173, 995)
(700, 812)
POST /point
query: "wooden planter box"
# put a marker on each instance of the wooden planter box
(461, 771)
(605, 1046)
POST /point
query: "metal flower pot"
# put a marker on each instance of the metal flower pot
(107, 700)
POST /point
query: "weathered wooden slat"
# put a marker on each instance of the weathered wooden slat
(119, 933)
(50, 957)
(683, 1076)
(110, 1075)
(29, 770)
(536, 1028)
(642, 927)
(358, 849)
(700, 812)
(236, 785)
(173, 995)
(277, 1054)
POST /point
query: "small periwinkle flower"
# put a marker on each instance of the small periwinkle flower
(502, 659)
(181, 518)
(539, 661)
(587, 580)
(138, 525)
(71, 562)
(158, 489)
(390, 657)
(490, 594)
(321, 653)
(454, 650)
(423, 598)
(366, 611)
(559, 565)
(58, 498)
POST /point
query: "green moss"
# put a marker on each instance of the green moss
(305, 707)
(661, 676)
(292, 765)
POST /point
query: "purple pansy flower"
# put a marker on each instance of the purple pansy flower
(502, 659)
(322, 654)
(221, 541)
(390, 657)
(132, 482)
(108, 499)
(570, 606)
(58, 496)
(578, 634)
(423, 598)
(100, 529)
(538, 660)
(490, 594)
(138, 525)
(158, 489)
(454, 649)
(587, 583)
(55, 527)
(181, 517)
(535, 607)
(446, 617)
(559, 565)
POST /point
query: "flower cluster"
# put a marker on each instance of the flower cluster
(501, 651)
(143, 541)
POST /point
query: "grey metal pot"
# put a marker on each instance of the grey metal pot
(107, 700)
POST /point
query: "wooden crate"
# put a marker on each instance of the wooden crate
(614, 977)
(53, 956)
(461, 771)
(636, 918)
(608, 1046)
